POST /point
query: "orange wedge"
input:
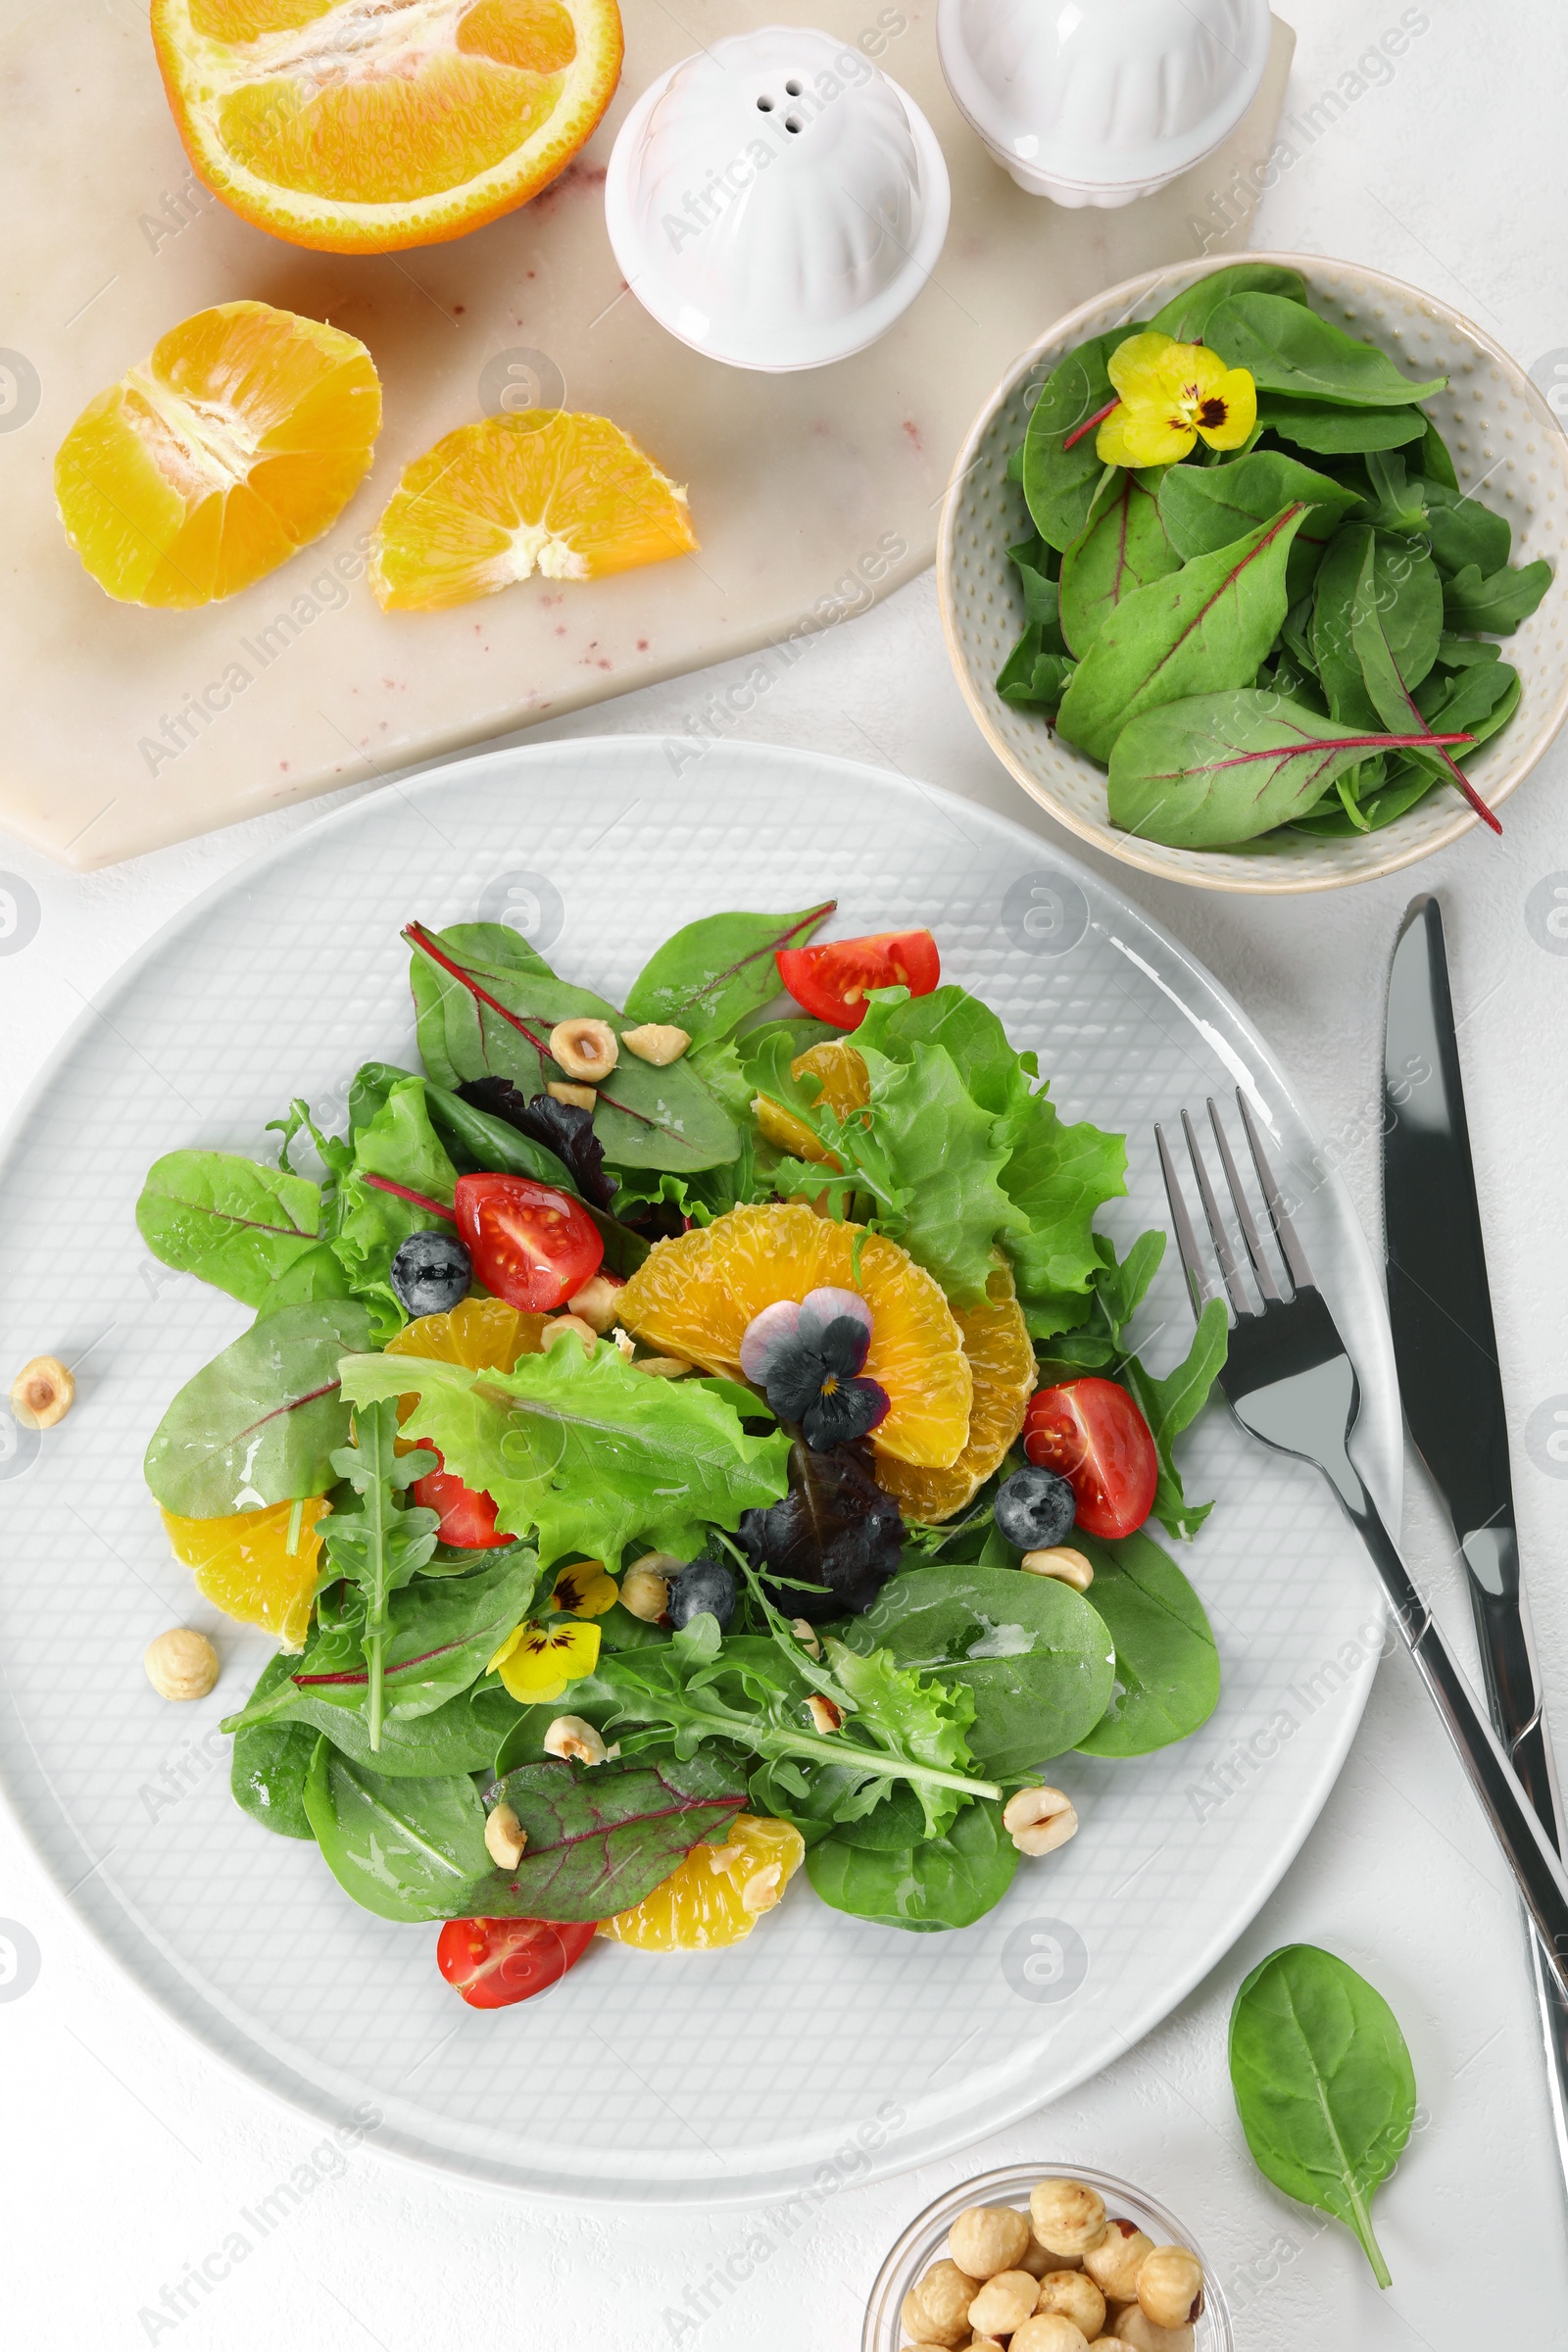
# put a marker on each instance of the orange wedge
(843, 1083)
(242, 438)
(367, 126)
(1001, 1358)
(718, 1895)
(244, 1565)
(485, 1334)
(572, 497)
(693, 1297)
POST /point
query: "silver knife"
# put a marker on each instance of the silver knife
(1440, 1307)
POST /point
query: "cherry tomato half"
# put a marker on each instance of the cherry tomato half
(531, 1244)
(494, 1962)
(1093, 1433)
(831, 981)
(467, 1518)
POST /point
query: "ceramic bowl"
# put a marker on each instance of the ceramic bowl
(925, 2241)
(1502, 433)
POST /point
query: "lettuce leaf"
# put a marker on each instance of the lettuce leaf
(401, 1145)
(585, 1449)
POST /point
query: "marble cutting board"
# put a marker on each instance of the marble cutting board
(813, 494)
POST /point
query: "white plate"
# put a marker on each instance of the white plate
(823, 2041)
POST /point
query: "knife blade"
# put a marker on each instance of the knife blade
(1444, 1343)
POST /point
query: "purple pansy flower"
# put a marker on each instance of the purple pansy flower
(806, 1361)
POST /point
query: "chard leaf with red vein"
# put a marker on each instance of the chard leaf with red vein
(1122, 546)
(600, 1840)
(1391, 696)
(714, 972)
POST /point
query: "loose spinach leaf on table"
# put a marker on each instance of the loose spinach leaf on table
(1208, 507)
(271, 1761)
(1496, 603)
(1186, 316)
(1121, 546)
(1203, 628)
(947, 1882)
(712, 974)
(404, 1848)
(260, 1423)
(1285, 347)
(1324, 2084)
(1408, 591)
(1167, 1667)
(1330, 432)
(229, 1220)
(600, 1840)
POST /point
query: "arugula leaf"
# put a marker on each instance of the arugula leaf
(1167, 1668)
(1499, 603)
(1203, 628)
(227, 1220)
(714, 972)
(259, 1424)
(948, 1881)
(585, 1448)
(270, 1760)
(440, 1635)
(464, 1734)
(906, 1716)
(1032, 676)
(1186, 316)
(1121, 546)
(404, 1848)
(600, 1840)
(399, 1144)
(1329, 431)
(1285, 347)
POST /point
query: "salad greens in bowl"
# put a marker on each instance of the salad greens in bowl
(1248, 573)
(678, 1444)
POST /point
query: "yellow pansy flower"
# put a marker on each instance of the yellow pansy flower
(585, 1590)
(536, 1662)
(1169, 394)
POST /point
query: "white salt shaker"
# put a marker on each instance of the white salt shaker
(1098, 101)
(776, 202)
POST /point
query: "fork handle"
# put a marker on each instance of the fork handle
(1525, 1844)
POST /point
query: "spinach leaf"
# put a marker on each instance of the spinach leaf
(1208, 507)
(1186, 316)
(1409, 596)
(1036, 1656)
(585, 1448)
(1496, 603)
(271, 1761)
(1039, 569)
(1121, 546)
(1463, 532)
(1167, 1668)
(712, 974)
(316, 1273)
(474, 1137)
(563, 1128)
(1389, 693)
(947, 1882)
(462, 1736)
(1324, 2084)
(1060, 468)
(1032, 676)
(1395, 504)
(404, 1848)
(227, 1220)
(259, 1424)
(1330, 432)
(1203, 628)
(1285, 347)
(600, 1840)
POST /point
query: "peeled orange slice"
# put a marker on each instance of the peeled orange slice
(1001, 1358)
(243, 1565)
(485, 1334)
(718, 1895)
(241, 438)
(843, 1083)
(694, 1295)
(366, 126)
(572, 497)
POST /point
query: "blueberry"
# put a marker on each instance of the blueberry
(705, 1585)
(432, 1272)
(1034, 1508)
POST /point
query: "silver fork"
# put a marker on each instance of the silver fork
(1288, 1380)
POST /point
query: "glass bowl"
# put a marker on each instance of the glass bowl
(925, 2241)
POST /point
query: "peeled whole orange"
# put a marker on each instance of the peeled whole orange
(369, 125)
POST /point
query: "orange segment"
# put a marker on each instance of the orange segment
(367, 126)
(241, 438)
(1001, 1358)
(693, 1297)
(843, 1084)
(572, 497)
(485, 1334)
(243, 1565)
(718, 1895)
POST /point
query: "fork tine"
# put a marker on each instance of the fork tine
(1235, 1288)
(1200, 1290)
(1262, 1271)
(1279, 1219)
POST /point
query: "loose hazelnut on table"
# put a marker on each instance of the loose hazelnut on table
(645, 1587)
(1038, 1821)
(1067, 2216)
(1116, 2262)
(1048, 2332)
(594, 1303)
(1169, 2283)
(1139, 2334)
(182, 1663)
(1075, 2296)
(42, 1393)
(1059, 1560)
(582, 1097)
(936, 2310)
(1003, 2303)
(505, 1838)
(585, 1047)
(658, 1042)
(987, 2239)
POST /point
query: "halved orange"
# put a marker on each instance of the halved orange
(1001, 1358)
(367, 126)
(693, 1297)
(240, 439)
(718, 1895)
(244, 1565)
(572, 497)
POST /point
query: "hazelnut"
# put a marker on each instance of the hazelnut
(1169, 2284)
(663, 1367)
(594, 1303)
(658, 1042)
(585, 1047)
(1067, 2216)
(584, 1096)
(1003, 2303)
(936, 2310)
(1114, 2264)
(505, 1838)
(558, 1327)
(987, 2239)
(1139, 2334)
(1059, 1560)
(182, 1663)
(1048, 2332)
(1037, 2259)
(825, 1716)
(568, 1735)
(1039, 1820)
(1076, 2297)
(622, 1341)
(805, 1635)
(42, 1394)
(645, 1587)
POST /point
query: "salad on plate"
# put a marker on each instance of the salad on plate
(678, 1444)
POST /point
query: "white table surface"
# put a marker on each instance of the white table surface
(128, 2160)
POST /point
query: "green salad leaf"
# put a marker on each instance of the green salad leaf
(708, 977)
(261, 1422)
(271, 1760)
(946, 1882)
(1497, 602)
(1121, 546)
(404, 1848)
(401, 1145)
(1208, 507)
(229, 1220)
(1330, 431)
(1061, 469)
(1408, 592)
(1167, 1668)
(600, 1840)
(1285, 347)
(1186, 316)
